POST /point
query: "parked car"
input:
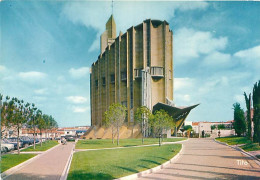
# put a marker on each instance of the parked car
(6, 147)
(70, 138)
(14, 142)
(26, 140)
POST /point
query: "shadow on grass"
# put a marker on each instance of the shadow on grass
(84, 175)
(130, 145)
(127, 169)
(158, 157)
(150, 161)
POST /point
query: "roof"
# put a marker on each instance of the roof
(173, 111)
(195, 123)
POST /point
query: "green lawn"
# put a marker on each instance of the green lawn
(249, 146)
(107, 143)
(115, 163)
(45, 146)
(233, 140)
(11, 160)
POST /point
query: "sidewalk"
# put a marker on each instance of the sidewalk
(206, 159)
(48, 166)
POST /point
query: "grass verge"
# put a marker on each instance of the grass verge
(115, 163)
(107, 143)
(10, 160)
(232, 140)
(249, 146)
(45, 146)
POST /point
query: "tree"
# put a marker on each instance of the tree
(108, 122)
(5, 114)
(17, 117)
(221, 126)
(160, 121)
(239, 120)
(248, 115)
(49, 124)
(212, 127)
(115, 116)
(256, 117)
(46, 119)
(52, 124)
(40, 123)
(32, 121)
(142, 117)
(187, 128)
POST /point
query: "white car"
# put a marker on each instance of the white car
(5, 146)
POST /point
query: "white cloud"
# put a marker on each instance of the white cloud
(41, 91)
(217, 59)
(76, 99)
(249, 57)
(32, 76)
(80, 109)
(183, 83)
(212, 83)
(252, 53)
(191, 44)
(79, 73)
(186, 97)
(95, 14)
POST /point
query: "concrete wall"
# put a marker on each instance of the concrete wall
(147, 45)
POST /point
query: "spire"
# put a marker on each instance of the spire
(111, 27)
(108, 37)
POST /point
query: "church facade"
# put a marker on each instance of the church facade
(134, 69)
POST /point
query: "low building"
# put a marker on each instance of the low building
(73, 131)
(52, 133)
(198, 127)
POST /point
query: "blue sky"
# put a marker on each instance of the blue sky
(216, 52)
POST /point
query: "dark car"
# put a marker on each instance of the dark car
(26, 140)
(14, 142)
(70, 138)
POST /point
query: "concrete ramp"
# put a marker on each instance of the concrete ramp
(106, 132)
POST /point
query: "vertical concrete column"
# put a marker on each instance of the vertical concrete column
(165, 59)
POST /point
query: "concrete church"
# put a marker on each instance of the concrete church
(134, 69)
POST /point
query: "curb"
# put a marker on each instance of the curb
(65, 172)
(257, 161)
(152, 170)
(19, 166)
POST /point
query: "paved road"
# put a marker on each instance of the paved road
(48, 166)
(206, 159)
